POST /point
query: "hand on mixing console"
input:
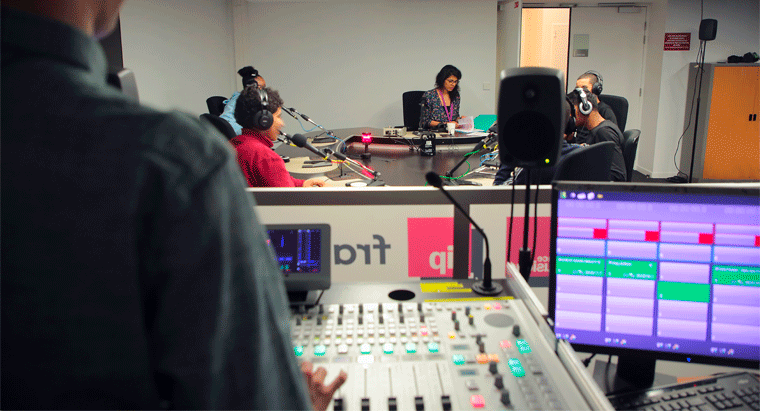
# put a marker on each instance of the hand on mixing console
(320, 393)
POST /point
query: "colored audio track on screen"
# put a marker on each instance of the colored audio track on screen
(664, 276)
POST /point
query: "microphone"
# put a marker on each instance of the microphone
(485, 287)
(300, 141)
(303, 116)
(290, 113)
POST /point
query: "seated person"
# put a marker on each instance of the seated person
(441, 104)
(508, 175)
(259, 113)
(592, 80)
(251, 77)
(587, 115)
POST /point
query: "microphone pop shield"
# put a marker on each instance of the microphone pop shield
(434, 179)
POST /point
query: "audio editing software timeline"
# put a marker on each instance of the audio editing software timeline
(674, 273)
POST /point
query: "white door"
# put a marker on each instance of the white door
(615, 50)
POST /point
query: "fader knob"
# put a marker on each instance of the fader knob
(516, 330)
(380, 308)
(456, 325)
(492, 367)
(361, 308)
(505, 397)
(471, 319)
(467, 310)
(453, 315)
(419, 306)
(321, 309)
(340, 309)
(482, 346)
(498, 381)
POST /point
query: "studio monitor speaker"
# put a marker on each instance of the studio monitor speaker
(708, 28)
(530, 116)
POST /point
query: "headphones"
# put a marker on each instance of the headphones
(585, 107)
(263, 119)
(570, 125)
(599, 84)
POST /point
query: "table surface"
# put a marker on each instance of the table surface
(397, 159)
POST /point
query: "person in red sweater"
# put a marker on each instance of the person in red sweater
(258, 112)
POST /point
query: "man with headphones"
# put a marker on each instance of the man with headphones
(251, 77)
(258, 110)
(587, 116)
(592, 80)
(508, 175)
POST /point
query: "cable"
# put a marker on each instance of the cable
(700, 66)
(511, 216)
(587, 361)
(535, 226)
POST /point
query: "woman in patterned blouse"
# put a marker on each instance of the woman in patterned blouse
(441, 104)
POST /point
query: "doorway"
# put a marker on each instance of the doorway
(609, 40)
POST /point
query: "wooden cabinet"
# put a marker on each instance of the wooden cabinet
(728, 133)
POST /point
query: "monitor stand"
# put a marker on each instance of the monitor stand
(631, 373)
(306, 298)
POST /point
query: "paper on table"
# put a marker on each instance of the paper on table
(466, 124)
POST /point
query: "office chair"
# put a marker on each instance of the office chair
(215, 105)
(589, 163)
(220, 124)
(412, 110)
(630, 145)
(619, 106)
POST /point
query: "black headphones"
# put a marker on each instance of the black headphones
(570, 125)
(599, 84)
(263, 119)
(585, 107)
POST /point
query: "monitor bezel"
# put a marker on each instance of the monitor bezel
(308, 281)
(740, 189)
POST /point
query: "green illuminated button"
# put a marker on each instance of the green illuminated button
(458, 359)
(365, 348)
(516, 367)
(319, 350)
(433, 347)
(298, 349)
(388, 348)
(411, 348)
(523, 346)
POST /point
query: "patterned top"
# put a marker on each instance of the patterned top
(433, 109)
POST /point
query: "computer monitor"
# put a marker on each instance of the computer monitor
(303, 255)
(652, 271)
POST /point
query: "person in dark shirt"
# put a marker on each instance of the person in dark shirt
(592, 80)
(135, 273)
(261, 166)
(441, 104)
(587, 115)
(250, 77)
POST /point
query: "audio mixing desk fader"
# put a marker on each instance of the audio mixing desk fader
(450, 355)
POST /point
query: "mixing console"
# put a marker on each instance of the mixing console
(435, 356)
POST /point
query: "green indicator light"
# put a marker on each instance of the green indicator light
(458, 359)
(523, 346)
(433, 347)
(411, 348)
(320, 350)
(298, 349)
(516, 367)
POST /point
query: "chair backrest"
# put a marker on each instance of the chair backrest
(412, 110)
(619, 106)
(630, 145)
(220, 124)
(589, 163)
(215, 105)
